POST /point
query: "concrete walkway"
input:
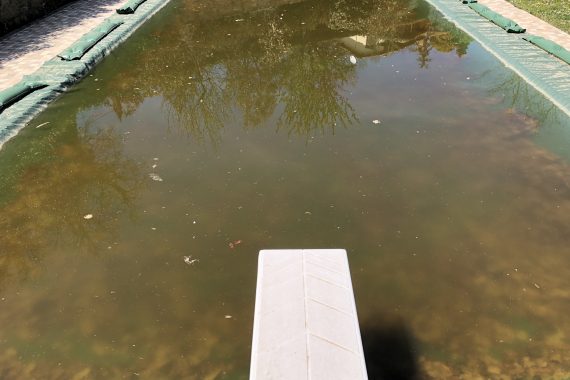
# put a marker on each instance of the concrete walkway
(25, 50)
(533, 24)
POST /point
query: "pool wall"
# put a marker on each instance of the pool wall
(546, 73)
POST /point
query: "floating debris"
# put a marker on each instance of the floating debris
(376, 121)
(228, 316)
(88, 216)
(233, 244)
(42, 124)
(155, 177)
(352, 59)
(536, 285)
(190, 261)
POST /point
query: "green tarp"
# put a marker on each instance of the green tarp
(505, 23)
(130, 7)
(550, 46)
(13, 94)
(81, 46)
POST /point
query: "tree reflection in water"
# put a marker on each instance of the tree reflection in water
(516, 93)
(48, 196)
(290, 63)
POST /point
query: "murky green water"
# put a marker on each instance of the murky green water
(219, 130)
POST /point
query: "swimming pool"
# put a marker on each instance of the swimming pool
(133, 208)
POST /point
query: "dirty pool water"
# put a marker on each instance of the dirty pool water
(133, 208)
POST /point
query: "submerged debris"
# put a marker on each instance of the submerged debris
(233, 244)
(190, 261)
(155, 177)
(42, 124)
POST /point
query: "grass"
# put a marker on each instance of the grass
(555, 12)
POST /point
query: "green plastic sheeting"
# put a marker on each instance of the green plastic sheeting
(505, 23)
(17, 92)
(81, 46)
(549, 46)
(130, 7)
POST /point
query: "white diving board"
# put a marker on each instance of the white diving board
(306, 326)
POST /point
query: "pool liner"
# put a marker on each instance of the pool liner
(549, 46)
(507, 24)
(18, 91)
(130, 7)
(90, 39)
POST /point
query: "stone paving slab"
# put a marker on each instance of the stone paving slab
(25, 50)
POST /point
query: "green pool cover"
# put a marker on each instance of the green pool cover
(81, 46)
(13, 94)
(505, 23)
(549, 46)
(130, 7)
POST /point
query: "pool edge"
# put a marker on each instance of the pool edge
(59, 75)
(546, 73)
